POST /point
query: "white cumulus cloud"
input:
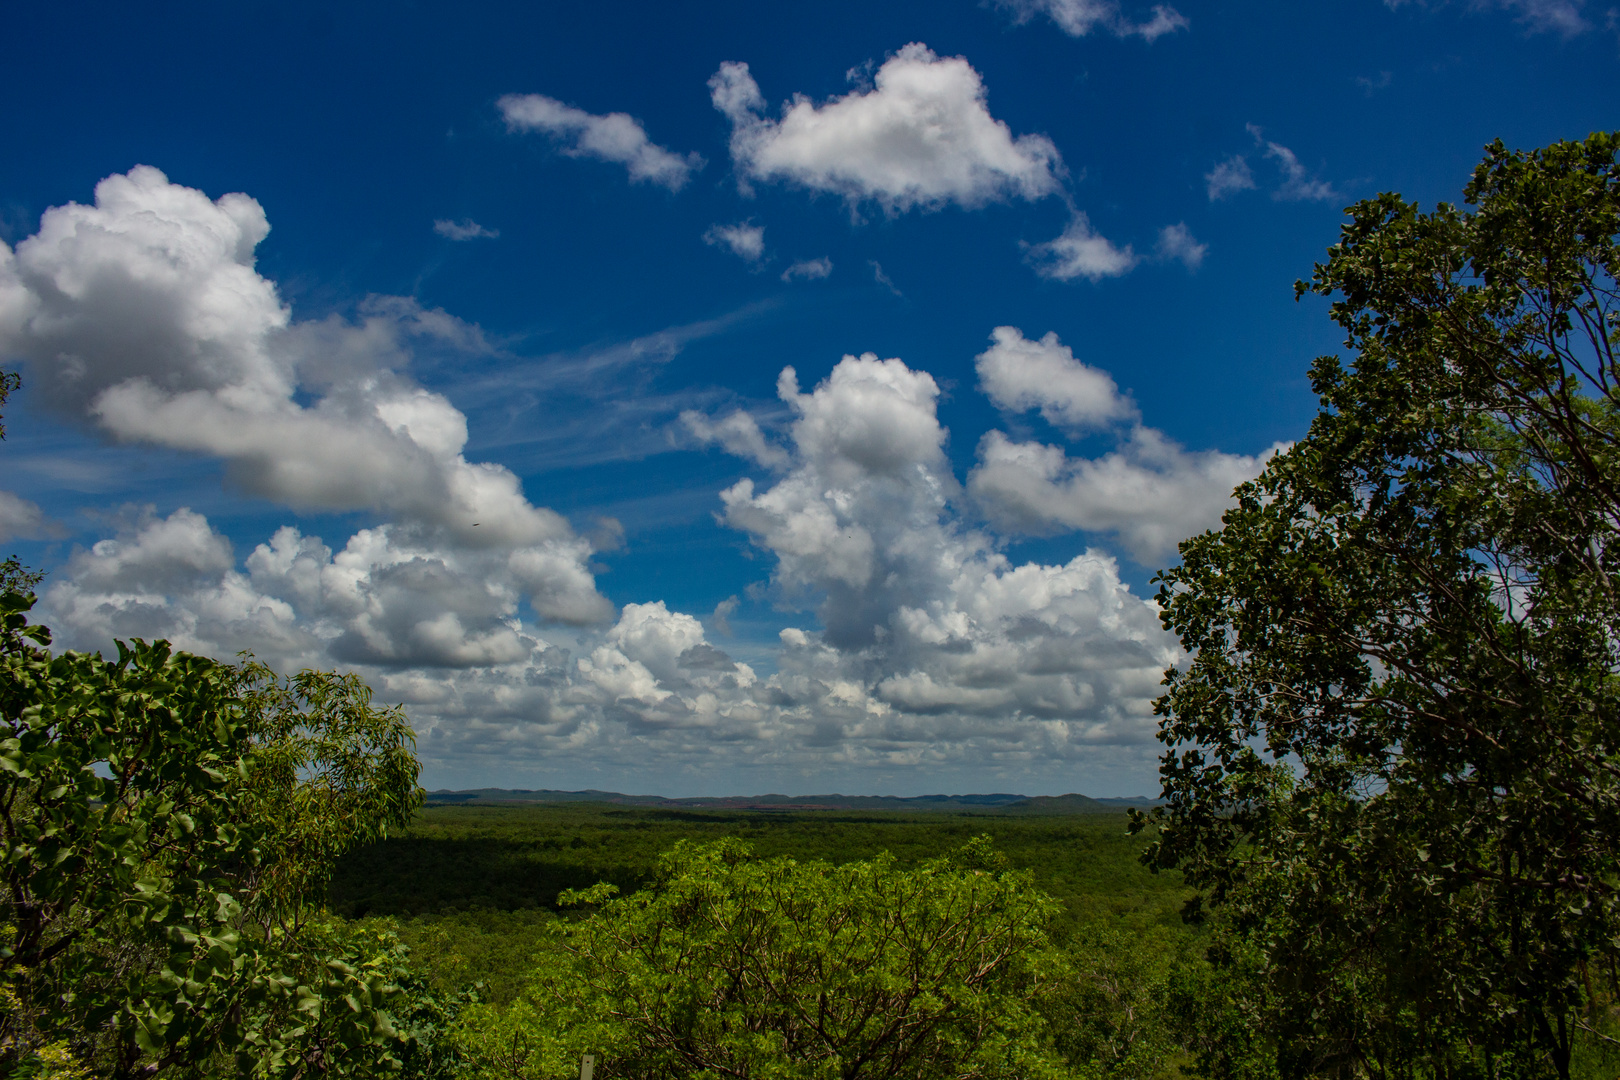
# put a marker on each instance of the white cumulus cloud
(616, 137)
(929, 650)
(388, 599)
(1018, 374)
(932, 640)
(934, 652)
(1149, 493)
(172, 578)
(921, 137)
(738, 433)
(1080, 252)
(143, 315)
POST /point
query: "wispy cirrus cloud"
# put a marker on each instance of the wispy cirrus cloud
(1371, 84)
(1562, 17)
(616, 137)
(465, 229)
(1295, 182)
(1078, 18)
(882, 278)
(744, 240)
(1177, 244)
(809, 270)
(1298, 185)
(1229, 177)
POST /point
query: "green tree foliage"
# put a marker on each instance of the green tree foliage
(14, 576)
(164, 817)
(730, 965)
(9, 381)
(1115, 1014)
(1394, 757)
(331, 773)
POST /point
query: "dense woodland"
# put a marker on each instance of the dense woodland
(1389, 845)
(463, 882)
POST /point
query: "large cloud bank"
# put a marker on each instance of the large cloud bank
(143, 314)
(929, 652)
(931, 636)
(933, 652)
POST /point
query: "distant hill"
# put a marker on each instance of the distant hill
(994, 803)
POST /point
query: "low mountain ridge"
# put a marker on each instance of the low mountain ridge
(999, 802)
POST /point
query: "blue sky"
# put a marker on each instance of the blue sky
(450, 343)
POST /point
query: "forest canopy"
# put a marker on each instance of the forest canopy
(729, 965)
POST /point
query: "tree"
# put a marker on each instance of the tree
(9, 381)
(729, 965)
(330, 773)
(167, 822)
(1393, 763)
(14, 576)
(1114, 1012)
